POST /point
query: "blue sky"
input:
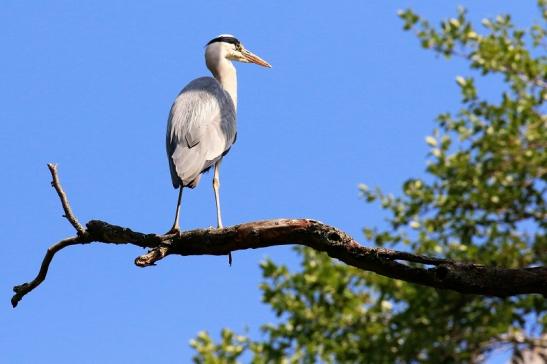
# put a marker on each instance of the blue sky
(89, 84)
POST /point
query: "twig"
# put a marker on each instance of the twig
(64, 200)
(25, 288)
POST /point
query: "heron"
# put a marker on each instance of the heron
(201, 127)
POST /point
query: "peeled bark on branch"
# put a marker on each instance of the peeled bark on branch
(462, 277)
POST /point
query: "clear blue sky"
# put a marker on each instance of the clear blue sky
(88, 85)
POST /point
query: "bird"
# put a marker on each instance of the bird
(201, 126)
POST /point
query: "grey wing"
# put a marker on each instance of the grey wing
(201, 128)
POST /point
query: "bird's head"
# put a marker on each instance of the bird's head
(229, 47)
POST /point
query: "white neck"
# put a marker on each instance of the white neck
(223, 70)
(225, 73)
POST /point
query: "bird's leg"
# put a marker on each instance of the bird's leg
(216, 186)
(175, 229)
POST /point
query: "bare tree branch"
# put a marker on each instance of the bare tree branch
(64, 200)
(462, 277)
(25, 288)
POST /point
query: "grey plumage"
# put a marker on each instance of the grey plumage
(201, 129)
(202, 123)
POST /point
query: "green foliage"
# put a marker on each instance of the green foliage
(228, 350)
(483, 201)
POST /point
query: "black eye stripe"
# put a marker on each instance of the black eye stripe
(231, 40)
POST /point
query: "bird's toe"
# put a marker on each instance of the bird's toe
(174, 231)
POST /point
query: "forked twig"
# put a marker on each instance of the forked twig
(64, 200)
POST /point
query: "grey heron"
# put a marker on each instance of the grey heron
(202, 123)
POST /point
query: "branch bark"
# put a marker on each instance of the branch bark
(467, 278)
(64, 200)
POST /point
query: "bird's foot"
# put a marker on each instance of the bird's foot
(174, 231)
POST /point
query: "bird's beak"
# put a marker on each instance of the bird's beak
(253, 58)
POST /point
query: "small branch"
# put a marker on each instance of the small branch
(25, 288)
(467, 278)
(64, 200)
(520, 338)
(539, 82)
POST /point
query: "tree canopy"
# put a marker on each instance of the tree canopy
(482, 200)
